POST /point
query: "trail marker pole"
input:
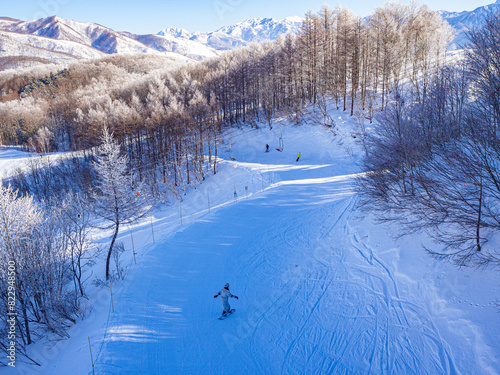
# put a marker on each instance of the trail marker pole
(111, 292)
(91, 358)
(152, 228)
(133, 247)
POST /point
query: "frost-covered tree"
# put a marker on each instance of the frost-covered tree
(34, 272)
(116, 202)
(434, 158)
(43, 140)
(73, 220)
(19, 219)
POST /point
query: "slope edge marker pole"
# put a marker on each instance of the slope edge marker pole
(111, 292)
(133, 247)
(91, 358)
(152, 228)
(180, 209)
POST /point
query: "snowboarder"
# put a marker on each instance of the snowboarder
(298, 156)
(225, 294)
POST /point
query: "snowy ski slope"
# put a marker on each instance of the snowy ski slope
(322, 289)
(11, 159)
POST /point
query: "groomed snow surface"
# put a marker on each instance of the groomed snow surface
(322, 288)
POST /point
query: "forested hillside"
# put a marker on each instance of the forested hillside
(434, 161)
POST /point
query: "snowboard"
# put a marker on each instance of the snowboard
(224, 316)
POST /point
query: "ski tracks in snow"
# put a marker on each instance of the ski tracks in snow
(341, 305)
(315, 296)
(403, 337)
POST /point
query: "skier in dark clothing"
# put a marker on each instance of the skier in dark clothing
(225, 294)
(267, 147)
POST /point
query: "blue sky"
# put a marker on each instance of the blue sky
(150, 16)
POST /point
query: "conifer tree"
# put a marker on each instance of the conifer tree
(115, 200)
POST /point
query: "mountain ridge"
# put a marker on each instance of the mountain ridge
(75, 40)
(60, 40)
(464, 21)
(239, 34)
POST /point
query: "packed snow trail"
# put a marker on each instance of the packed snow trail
(314, 299)
(323, 289)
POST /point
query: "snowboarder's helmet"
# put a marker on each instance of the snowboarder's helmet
(227, 285)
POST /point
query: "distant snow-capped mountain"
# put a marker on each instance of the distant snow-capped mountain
(169, 43)
(16, 44)
(467, 20)
(261, 29)
(176, 32)
(240, 34)
(58, 40)
(85, 33)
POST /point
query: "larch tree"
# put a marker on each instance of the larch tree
(116, 201)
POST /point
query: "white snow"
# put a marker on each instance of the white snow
(57, 51)
(12, 159)
(322, 288)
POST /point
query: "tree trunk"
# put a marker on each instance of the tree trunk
(215, 149)
(478, 225)
(110, 251)
(25, 316)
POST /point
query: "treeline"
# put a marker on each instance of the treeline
(335, 55)
(434, 164)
